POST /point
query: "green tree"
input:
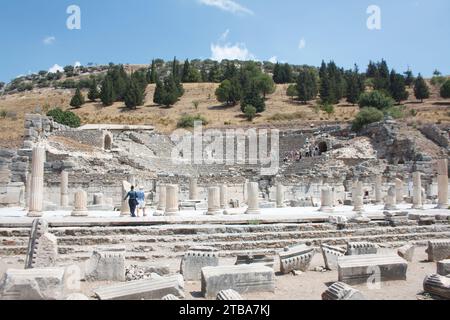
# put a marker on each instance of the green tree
(306, 85)
(397, 87)
(66, 118)
(152, 74)
(421, 90)
(382, 77)
(252, 96)
(445, 90)
(93, 93)
(265, 84)
(107, 94)
(292, 91)
(355, 85)
(366, 116)
(375, 99)
(229, 92)
(250, 112)
(159, 93)
(77, 100)
(186, 71)
(134, 96)
(409, 77)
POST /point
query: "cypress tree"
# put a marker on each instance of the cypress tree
(77, 100)
(355, 85)
(93, 93)
(421, 90)
(186, 71)
(409, 77)
(306, 85)
(382, 77)
(445, 90)
(159, 93)
(152, 73)
(107, 94)
(134, 95)
(397, 87)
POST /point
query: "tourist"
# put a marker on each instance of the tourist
(132, 201)
(141, 201)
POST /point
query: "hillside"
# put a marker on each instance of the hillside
(281, 110)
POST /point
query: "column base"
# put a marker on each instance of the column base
(171, 213)
(34, 214)
(214, 212)
(327, 209)
(253, 211)
(79, 213)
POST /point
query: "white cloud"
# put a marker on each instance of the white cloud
(231, 52)
(77, 64)
(49, 40)
(227, 5)
(274, 59)
(56, 68)
(302, 44)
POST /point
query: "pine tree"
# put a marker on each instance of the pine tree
(107, 94)
(397, 87)
(421, 90)
(134, 96)
(372, 70)
(445, 90)
(93, 93)
(382, 77)
(355, 85)
(277, 74)
(265, 84)
(77, 100)
(204, 74)
(252, 96)
(409, 77)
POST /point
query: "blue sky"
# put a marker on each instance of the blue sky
(413, 33)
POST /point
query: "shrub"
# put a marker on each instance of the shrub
(250, 112)
(445, 90)
(375, 99)
(65, 117)
(287, 116)
(3, 114)
(395, 112)
(327, 108)
(187, 121)
(413, 112)
(366, 116)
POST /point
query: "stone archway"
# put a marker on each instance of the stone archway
(323, 147)
(107, 141)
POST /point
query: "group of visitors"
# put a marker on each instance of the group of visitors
(136, 200)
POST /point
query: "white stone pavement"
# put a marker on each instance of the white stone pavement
(19, 215)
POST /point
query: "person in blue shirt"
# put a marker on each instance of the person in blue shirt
(132, 197)
(141, 201)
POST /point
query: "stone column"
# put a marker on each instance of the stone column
(442, 184)
(379, 190)
(327, 200)
(245, 186)
(280, 196)
(214, 201)
(28, 190)
(162, 198)
(253, 201)
(224, 197)
(357, 197)
(80, 204)
(125, 208)
(391, 199)
(417, 191)
(37, 182)
(193, 189)
(64, 188)
(172, 206)
(399, 189)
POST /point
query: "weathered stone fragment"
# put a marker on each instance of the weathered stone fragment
(342, 291)
(437, 285)
(42, 250)
(360, 269)
(438, 250)
(154, 289)
(358, 248)
(406, 252)
(443, 267)
(196, 259)
(331, 255)
(229, 295)
(296, 258)
(170, 297)
(107, 265)
(243, 278)
(33, 284)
